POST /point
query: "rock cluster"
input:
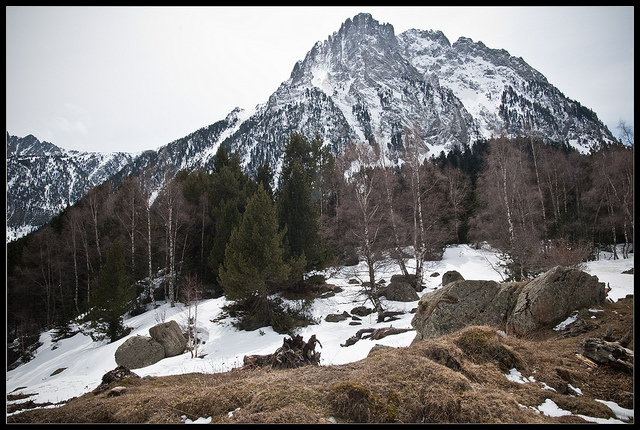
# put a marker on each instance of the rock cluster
(517, 307)
(166, 340)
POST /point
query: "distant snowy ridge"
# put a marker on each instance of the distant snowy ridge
(43, 179)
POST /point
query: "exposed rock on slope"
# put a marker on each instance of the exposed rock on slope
(519, 308)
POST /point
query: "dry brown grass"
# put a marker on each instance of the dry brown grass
(420, 383)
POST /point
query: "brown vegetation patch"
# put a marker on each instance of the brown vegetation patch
(420, 383)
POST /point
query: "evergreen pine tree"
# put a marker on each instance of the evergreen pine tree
(113, 293)
(254, 264)
(298, 213)
(229, 193)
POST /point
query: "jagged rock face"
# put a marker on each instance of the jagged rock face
(362, 83)
(355, 86)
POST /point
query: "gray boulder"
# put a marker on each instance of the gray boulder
(337, 317)
(139, 351)
(399, 291)
(409, 279)
(551, 297)
(361, 311)
(170, 337)
(462, 303)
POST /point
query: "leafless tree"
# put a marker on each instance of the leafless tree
(128, 206)
(170, 203)
(192, 292)
(627, 132)
(509, 217)
(389, 182)
(458, 187)
(363, 178)
(416, 151)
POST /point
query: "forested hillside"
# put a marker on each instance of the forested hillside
(223, 231)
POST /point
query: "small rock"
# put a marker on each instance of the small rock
(117, 391)
(337, 317)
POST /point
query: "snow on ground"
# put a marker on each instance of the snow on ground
(74, 366)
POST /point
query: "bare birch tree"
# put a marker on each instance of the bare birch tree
(363, 178)
(192, 292)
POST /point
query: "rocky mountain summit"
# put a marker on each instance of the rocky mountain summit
(363, 83)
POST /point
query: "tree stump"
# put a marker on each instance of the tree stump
(604, 352)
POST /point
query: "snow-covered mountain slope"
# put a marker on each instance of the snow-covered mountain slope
(502, 92)
(362, 83)
(43, 179)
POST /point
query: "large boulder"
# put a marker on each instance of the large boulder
(462, 303)
(518, 308)
(399, 291)
(551, 297)
(170, 336)
(409, 279)
(139, 351)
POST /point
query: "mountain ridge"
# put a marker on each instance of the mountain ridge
(362, 83)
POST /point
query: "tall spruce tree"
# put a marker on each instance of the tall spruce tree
(230, 190)
(298, 213)
(254, 264)
(113, 293)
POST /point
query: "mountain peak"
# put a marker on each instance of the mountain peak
(364, 24)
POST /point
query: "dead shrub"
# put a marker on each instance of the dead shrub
(562, 252)
(353, 402)
(483, 344)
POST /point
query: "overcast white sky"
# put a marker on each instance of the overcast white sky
(135, 78)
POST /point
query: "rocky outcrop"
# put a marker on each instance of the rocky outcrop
(517, 308)
(462, 303)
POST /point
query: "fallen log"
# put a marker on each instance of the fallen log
(376, 334)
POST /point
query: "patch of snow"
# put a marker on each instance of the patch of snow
(571, 319)
(550, 409)
(198, 421)
(622, 413)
